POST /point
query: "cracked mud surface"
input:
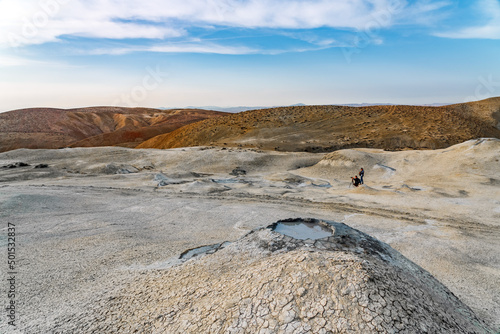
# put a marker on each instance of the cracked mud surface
(270, 283)
(84, 234)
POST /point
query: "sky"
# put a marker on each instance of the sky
(179, 53)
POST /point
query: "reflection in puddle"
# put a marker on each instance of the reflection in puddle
(303, 230)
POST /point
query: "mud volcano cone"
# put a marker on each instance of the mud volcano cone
(344, 281)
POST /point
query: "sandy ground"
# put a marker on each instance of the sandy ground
(96, 218)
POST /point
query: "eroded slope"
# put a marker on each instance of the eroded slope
(328, 128)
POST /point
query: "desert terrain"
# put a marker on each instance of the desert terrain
(100, 232)
(329, 128)
(293, 129)
(91, 127)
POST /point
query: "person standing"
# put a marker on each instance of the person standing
(361, 174)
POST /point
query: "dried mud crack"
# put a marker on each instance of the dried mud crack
(267, 282)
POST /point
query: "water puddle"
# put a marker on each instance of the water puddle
(225, 181)
(302, 230)
(322, 185)
(209, 249)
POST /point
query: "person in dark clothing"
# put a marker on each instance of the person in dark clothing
(355, 180)
(361, 174)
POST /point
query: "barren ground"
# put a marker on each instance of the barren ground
(83, 229)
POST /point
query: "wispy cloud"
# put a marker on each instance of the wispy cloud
(31, 22)
(204, 47)
(490, 10)
(179, 48)
(424, 13)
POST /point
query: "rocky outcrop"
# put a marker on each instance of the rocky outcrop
(16, 165)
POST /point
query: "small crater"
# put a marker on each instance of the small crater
(302, 229)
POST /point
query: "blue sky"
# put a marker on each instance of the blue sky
(177, 53)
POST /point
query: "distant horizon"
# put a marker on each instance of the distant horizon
(250, 106)
(245, 108)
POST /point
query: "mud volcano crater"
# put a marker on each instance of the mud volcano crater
(325, 235)
(293, 276)
(303, 229)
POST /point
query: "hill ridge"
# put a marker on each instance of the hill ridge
(91, 126)
(328, 128)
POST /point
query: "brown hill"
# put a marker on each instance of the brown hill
(328, 128)
(94, 126)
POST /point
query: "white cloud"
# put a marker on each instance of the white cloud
(208, 47)
(179, 48)
(39, 21)
(490, 30)
(200, 48)
(424, 13)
